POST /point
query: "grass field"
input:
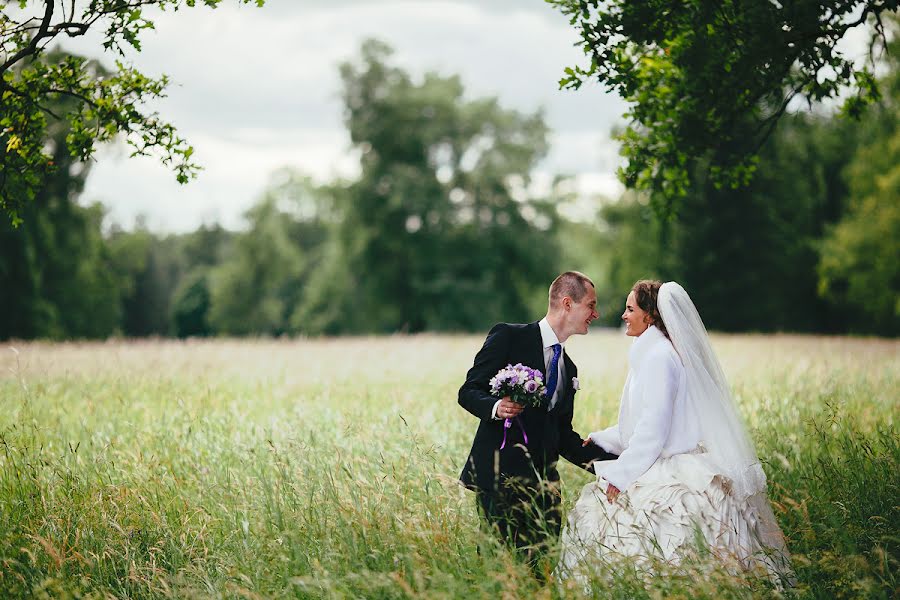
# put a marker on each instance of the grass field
(327, 468)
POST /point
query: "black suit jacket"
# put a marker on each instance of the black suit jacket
(550, 433)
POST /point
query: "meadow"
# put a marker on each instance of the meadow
(327, 468)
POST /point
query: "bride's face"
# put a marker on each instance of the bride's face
(636, 319)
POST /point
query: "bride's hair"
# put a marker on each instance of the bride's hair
(646, 291)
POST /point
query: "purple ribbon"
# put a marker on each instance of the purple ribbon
(506, 425)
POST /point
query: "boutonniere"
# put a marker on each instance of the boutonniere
(575, 384)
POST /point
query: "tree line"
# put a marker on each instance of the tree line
(440, 232)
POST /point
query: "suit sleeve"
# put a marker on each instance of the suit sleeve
(570, 441)
(475, 395)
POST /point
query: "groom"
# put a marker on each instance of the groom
(517, 486)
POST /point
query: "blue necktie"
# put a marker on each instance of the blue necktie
(553, 373)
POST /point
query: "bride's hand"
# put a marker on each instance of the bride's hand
(596, 438)
(612, 492)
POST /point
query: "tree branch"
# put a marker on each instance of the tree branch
(12, 89)
(830, 32)
(879, 33)
(76, 95)
(32, 45)
(68, 26)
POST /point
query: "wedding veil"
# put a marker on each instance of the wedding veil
(708, 397)
(722, 432)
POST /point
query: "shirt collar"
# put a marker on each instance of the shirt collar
(548, 336)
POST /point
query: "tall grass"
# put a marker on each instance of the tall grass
(326, 469)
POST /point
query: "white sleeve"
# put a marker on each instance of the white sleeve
(494, 410)
(608, 439)
(660, 375)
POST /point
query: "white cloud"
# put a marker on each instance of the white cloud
(236, 170)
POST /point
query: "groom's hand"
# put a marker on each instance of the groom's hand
(508, 409)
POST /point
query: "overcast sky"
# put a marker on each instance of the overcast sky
(256, 89)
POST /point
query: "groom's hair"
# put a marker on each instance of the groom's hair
(572, 284)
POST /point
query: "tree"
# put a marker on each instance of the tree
(748, 256)
(858, 271)
(859, 267)
(101, 106)
(707, 80)
(438, 232)
(257, 288)
(190, 306)
(148, 269)
(56, 279)
(640, 251)
(200, 252)
(55, 276)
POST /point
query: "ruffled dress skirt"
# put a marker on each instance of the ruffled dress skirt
(678, 505)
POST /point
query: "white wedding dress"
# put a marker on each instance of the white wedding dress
(686, 470)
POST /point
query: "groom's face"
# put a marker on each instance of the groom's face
(581, 313)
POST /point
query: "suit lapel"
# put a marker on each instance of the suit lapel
(536, 349)
(534, 354)
(565, 386)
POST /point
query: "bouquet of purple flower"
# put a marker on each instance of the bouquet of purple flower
(524, 386)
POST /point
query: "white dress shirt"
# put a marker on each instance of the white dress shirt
(653, 418)
(548, 338)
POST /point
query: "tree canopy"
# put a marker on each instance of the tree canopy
(439, 221)
(858, 270)
(707, 80)
(102, 105)
(439, 233)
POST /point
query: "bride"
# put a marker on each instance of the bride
(687, 471)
